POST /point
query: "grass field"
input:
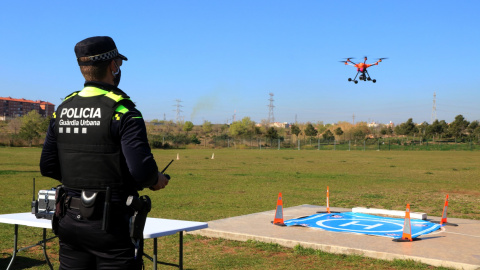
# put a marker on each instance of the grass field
(239, 182)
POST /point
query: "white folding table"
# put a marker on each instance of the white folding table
(154, 228)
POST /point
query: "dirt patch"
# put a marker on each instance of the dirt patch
(461, 192)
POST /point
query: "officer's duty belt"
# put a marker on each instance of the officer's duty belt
(74, 203)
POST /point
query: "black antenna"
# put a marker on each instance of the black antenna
(33, 197)
(166, 167)
(34, 201)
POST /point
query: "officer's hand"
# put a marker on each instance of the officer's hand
(162, 182)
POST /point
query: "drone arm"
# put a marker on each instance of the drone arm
(374, 64)
(378, 61)
(352, 63)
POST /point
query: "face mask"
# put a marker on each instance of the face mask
(116, 79)
(116, 75)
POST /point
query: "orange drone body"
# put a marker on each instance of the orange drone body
(362, 68)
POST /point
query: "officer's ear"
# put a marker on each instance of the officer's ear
(113, 66)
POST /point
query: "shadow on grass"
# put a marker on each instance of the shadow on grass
(20, 262)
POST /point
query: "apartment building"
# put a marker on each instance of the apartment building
(13, 107)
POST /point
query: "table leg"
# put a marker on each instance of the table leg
(154, 258)
(15, 237)
(44, 247)
(180, 264)
(155, 254)
(41, 243)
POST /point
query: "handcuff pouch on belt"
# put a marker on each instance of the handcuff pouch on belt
(87, 205)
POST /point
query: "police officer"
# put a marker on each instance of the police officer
(97, 141)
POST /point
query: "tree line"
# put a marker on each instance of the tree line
(246, 130)
(31, 128)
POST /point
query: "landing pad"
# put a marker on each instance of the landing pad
(457, 247)
(349, 222)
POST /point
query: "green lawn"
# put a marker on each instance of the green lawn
(239, 182)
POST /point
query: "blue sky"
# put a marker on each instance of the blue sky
(222, 58)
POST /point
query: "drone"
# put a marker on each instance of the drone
(362, 69)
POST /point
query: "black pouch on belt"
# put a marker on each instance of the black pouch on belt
(87, 207)
(59, 208)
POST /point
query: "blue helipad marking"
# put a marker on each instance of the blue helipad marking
(364, 224)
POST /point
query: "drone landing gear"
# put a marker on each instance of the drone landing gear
(355, 81)
(370, 79)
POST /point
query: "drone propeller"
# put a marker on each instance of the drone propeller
(348, 60)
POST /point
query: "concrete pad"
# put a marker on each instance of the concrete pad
(456, 247)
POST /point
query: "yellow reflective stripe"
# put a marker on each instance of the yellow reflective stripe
(113, 96)
(72, 95)
(121, 109)
(91, 92)
(54, 115)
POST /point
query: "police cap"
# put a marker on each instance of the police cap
(98, 49)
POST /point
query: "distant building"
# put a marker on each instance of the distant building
(276, 124)
(13, 107)
(373, 124)
(281, 125)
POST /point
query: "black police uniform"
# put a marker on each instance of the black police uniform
(97, 139)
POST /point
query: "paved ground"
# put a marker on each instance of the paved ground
(456, 247)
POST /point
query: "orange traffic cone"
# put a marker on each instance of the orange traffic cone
(444, 215)
(328, 201)
(328, 204)
(278, 219)
(407, 228)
